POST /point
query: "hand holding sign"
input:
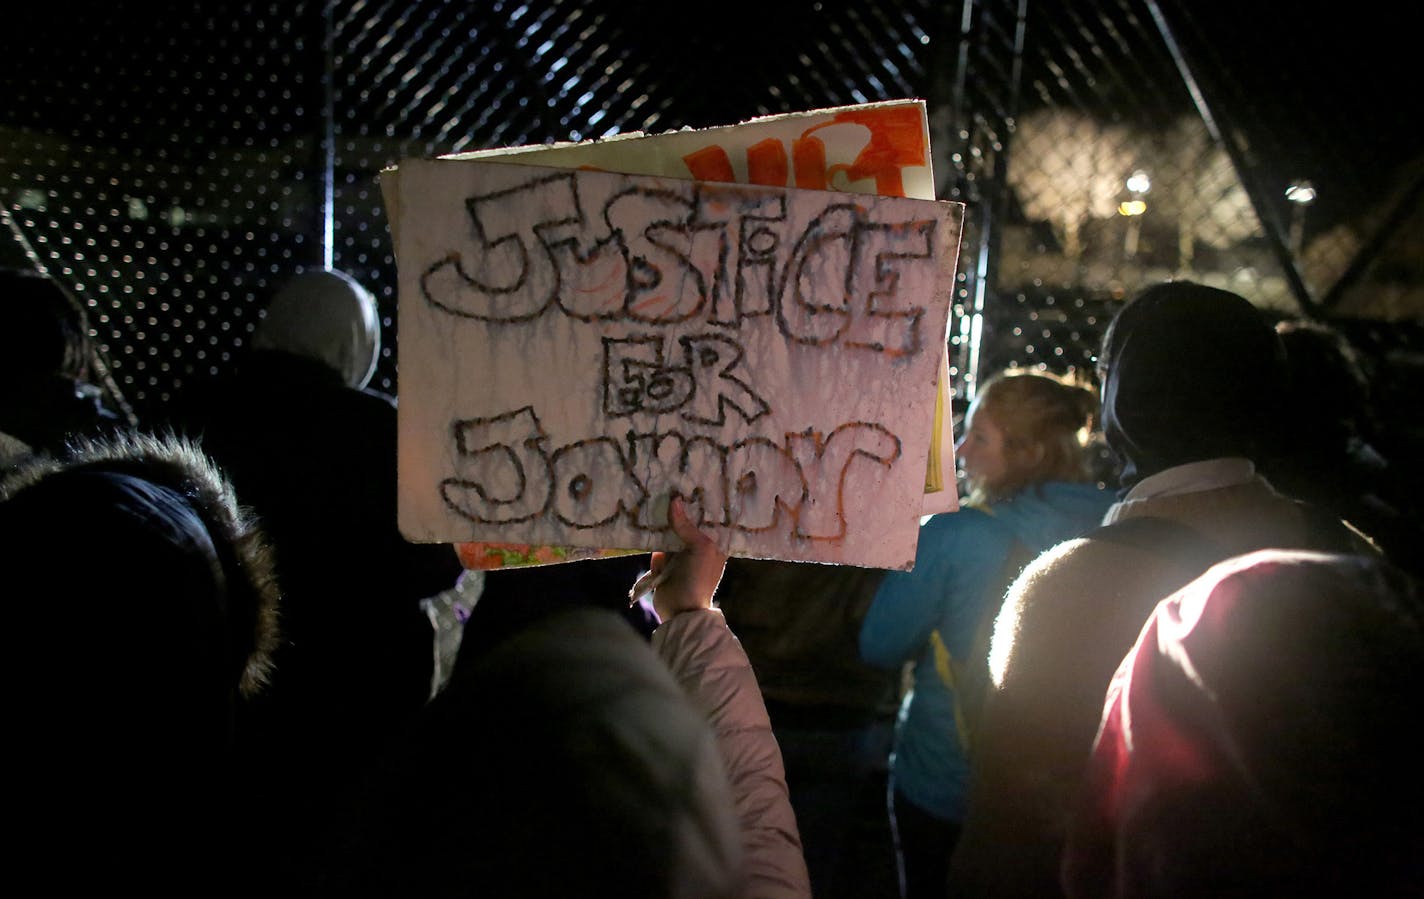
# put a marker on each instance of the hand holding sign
(686, 579)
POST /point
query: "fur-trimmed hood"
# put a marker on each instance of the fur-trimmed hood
(175, 491)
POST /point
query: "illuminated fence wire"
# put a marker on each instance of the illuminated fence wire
(173, 176)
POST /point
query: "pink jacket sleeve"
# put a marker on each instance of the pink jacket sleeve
(710, 664)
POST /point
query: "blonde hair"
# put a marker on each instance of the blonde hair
(1046, 420)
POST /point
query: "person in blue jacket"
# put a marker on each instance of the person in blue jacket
(1025, 463)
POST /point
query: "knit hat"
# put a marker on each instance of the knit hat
(328, 317)
(1189, 373)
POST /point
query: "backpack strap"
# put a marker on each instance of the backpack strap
(1190, 551)
(1193, 552)
(1327, 532)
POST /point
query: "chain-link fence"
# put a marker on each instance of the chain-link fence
(171, 168)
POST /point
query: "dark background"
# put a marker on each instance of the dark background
(172, 163)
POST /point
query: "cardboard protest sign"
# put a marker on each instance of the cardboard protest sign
(577, 345)
(881, 148)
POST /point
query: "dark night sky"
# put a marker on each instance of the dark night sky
(1329, 88)
(1333, 86)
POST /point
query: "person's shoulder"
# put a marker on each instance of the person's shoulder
(1047, 622)
(965, 518)
(1089, 492)
(1328, 532)
(1071, 575)
(1071, 559)
(1045, 514)
(1071, 504)
(968, 527)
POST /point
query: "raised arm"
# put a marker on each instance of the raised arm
(704, 656)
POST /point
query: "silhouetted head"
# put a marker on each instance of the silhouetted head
(328, 317)
(1330, 399)
(1189, 373)
(157, 530)
(49, 333)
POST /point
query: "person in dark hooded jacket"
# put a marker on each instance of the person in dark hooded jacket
(1192, 379)
(143, 613)
(312, 450)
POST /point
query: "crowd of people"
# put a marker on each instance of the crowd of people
(1193, 682)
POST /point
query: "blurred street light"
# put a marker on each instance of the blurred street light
(1301, 194)
(1137, 184)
